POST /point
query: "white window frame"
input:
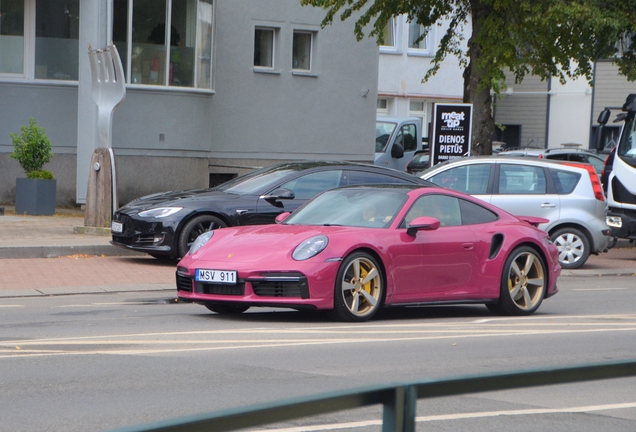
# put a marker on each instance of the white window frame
(273, 48)
(275, 28)
(315, 58)
(428, 39)
(166, 72)
(396, 27)
(385, 109)
(311, 49)
(28, 67)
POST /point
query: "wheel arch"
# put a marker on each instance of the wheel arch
(380, 261)
(581, 228)
(539, 252)
(196, 213)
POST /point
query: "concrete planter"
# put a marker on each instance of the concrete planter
(35, 196)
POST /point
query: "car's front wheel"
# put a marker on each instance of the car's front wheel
(359, 288)
(573, 246)
(194, 228)
(523, 283)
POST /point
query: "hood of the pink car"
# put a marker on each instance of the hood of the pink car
(254, 243)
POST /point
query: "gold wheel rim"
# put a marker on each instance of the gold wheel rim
(361, 287)
(526, 280)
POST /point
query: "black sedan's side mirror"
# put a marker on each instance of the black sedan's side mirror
(279, 194)
(397, 151)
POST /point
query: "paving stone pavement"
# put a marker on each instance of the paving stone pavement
(57, 255)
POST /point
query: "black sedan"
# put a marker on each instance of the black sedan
(166, 224)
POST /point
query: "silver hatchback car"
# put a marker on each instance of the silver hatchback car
(568, 194)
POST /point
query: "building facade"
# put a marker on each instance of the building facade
(405, 57)
(214, 88)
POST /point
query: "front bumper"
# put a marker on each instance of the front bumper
(622, 224)
(150, 236)
(308, 286)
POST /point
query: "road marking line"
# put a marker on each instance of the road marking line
(535, 411)
(8, 306)
(599, 289)
(7, 351)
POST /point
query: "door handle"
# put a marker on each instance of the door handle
(548, 205)
(468, 246)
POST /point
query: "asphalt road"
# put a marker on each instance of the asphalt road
(88, 362)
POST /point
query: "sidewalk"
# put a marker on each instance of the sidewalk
(81, 259)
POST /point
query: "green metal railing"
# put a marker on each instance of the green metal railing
(399, 400)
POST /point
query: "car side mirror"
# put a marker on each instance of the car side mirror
(422, 223)
(603, 117)
(281, 217)
(397, 151)
(279, 194)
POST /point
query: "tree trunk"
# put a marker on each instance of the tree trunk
(475, 92)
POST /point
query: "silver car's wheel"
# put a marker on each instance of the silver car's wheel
(523, 283)
(573, 245)
(359, 288)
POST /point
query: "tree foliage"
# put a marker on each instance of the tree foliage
(546, 38)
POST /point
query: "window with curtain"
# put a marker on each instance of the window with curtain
(12, 36)
(165, 42)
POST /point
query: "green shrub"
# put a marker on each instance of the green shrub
(41, 174)
(32, 149)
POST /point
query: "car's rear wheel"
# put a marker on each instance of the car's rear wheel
(573, 245)
(194, 228)
(523, 283)
(359, 288)
(227, 309)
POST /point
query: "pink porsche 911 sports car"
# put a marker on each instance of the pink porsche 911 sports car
(357, 249)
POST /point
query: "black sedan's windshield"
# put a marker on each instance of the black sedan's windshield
(255, 182)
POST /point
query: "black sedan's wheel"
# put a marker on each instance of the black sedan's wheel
(359, 288)
(523, 283)
(194, 228)
(573, 245)
(227, 309)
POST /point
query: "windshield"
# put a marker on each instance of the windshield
(252, 183)
(383, 131)
(358, 207)
(627, 144)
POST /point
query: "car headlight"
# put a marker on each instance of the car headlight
(200, 242)
(310, 247)
(160, 212)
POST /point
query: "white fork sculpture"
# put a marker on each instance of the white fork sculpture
(108, 91)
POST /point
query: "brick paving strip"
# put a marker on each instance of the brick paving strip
(86, 271)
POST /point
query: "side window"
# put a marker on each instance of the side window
(521, 179)
(473, 214)
(407, 137)
(442, 207)
(564, 181)
(470, 179)
(310, 185)
(362, 177)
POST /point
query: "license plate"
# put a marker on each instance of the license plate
(116, 227)
(216, 276)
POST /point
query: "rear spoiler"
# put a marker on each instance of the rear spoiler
(534, 221)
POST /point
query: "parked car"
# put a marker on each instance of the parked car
(165, 224)
(419, 163)
(354, 250)
(568, 194)
(566, 154)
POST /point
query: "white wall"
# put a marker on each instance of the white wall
(570, 110)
